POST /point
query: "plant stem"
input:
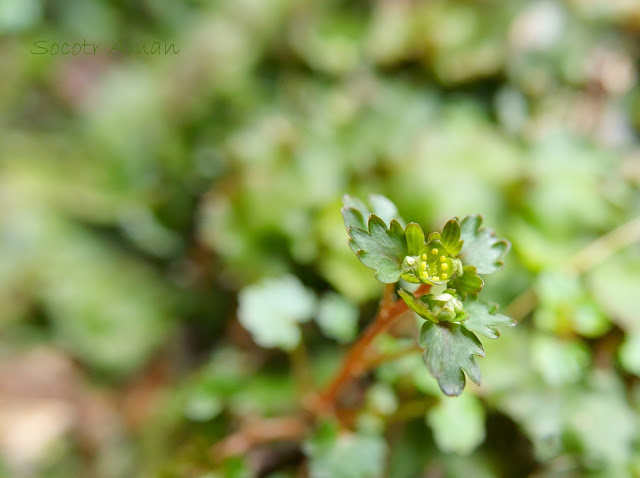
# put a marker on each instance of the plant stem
(258, 432)
(301, 369)
(354, 362)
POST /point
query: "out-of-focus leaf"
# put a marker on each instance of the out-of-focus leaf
(344, 455)
(356, 213)
(481, 247)
(337, 317)
(629, 353)
(482, 318)
(272, 309)
(458, 424)
(614, 285)
(449, 350)
(559, 361)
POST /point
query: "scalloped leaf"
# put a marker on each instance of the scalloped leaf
(481, 248)
(483, 319)
(449, 350)
(381, 249)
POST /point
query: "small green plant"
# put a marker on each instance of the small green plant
(437, 276)
(453, 261)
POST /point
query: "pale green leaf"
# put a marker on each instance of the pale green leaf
(344, 455)
(272, 309)
(458, 424)
(337, 318)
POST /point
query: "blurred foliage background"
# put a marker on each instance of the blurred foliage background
(142, 197)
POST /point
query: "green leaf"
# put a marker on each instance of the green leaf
(481, 247)
(449, 350)
(559, 361)
(356, 213)
(381, 249)
(384, 208)
(415, 238)
(469, 282)
(345, 455)
(337, 318)
(417, 305)
(629, 353)
(271, 310)
(458, 425)
(450, 237)
(483, 319)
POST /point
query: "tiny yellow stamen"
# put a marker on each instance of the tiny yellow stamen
(424, 274)
(445, 276)
(423, 265)
(442, 258)
(444, 267)
(434, 251)
(435, 278)
(411, 260)
(424, 257)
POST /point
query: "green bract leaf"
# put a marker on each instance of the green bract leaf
(271, 310)
(469, 282)
(381, 249)
(481, 247)
(449, 350)
(417, 305)
(450, 237)
(415, 238)
(483, 319)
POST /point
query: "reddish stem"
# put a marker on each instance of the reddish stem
(354, 363)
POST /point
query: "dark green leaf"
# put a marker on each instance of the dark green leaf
(449, 350)
(483, 319)
(450, 237)
(381, 249)
(481, 247)
(467, 283)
